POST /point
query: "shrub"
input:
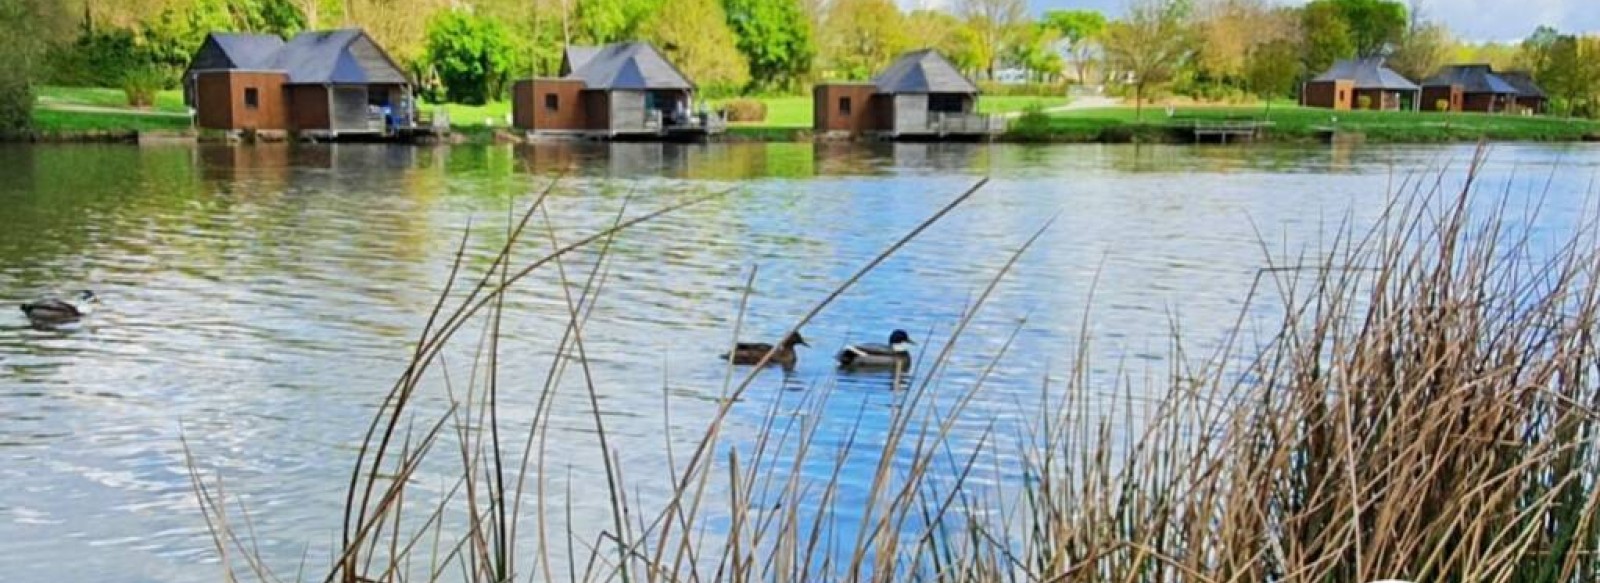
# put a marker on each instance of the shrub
(747, 110)
(1441, 105)
(16, 104)
(141, 84)
(1033, 125)
(1022, 89)
(1364, 102)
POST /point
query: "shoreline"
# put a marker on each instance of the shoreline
(1118, 134)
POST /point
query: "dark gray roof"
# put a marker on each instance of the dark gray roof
(1368, 74)
(337, 56)
(626, 66)
(1472, 79)
(248, 51)
(924, 71)
(1523, 81)
(577, 57)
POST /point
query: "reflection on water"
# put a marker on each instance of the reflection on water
(261, 300)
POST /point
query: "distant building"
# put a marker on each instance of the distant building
(624, 90)
(322, 83)
(920, 95)
(1343, 86)
(1530, 97)
(1469, 88)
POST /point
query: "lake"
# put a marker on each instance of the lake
(261, 301)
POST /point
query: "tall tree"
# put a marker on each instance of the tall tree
(945, 32)
(1571, 74)
(1373, 25)
(1326, 36)
(995, 22)
(471, 54)
(607, 21)
(1272, 70)
(775, 37)
(1080, 29)
(1035, 51)
(861, 36)
(1150, 45)
(694, 34)
(1229, 31)
(1424, 50)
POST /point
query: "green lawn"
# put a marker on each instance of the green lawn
(54, 121)
(1299, 123)
(49, 96)
(1011, 103)
(474, 115)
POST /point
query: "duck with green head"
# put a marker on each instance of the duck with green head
(894, 355)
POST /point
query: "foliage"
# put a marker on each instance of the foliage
(280, 17)
(140, 85)
(1033, 125)
(1424, 50)
(1364, 102)
(607, 21)
(16, 103)
(1035, 51)
(1373, 25)
(1228, 31)
(992, 89)
(1571, 74)
(995, 26)
(695, 36)
(1080, 29)
(948, 34)
(1441, 105)
(472, 56)
(862, 36)
(746, 110)
(776, 40)
(102, 59)
(1150, 45)
(1273, 69)
(1327, 36)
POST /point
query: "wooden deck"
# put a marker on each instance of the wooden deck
(1222, 131)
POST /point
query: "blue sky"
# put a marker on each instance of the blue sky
(1471, 19)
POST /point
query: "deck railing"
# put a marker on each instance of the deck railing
(944, 123)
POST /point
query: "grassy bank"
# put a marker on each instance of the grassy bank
(1299, 124)
(796, 111)
(1424, 407)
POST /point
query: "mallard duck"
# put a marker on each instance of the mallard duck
(51, 311)
(895, 354)
(748, 353)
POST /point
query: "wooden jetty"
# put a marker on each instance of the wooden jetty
(1221, 130)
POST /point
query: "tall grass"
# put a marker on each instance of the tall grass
(1425, 408)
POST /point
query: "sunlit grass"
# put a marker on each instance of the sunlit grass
(49, 96)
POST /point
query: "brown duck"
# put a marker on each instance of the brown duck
(749, 353)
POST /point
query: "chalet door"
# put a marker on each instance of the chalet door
(350, 109)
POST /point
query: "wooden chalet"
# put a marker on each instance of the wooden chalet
(1468, 88)
(1343, 86)
(321, 84)
(1531, 99)
(921, 95)
(618, 91)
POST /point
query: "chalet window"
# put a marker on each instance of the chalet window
(252, 98)
(552, 102)
(844, 106)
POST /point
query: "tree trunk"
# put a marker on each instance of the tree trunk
(1138, 100)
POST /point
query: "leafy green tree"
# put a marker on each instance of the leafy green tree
(775, 38)
(694, 34)
(1273, 69)
(21, 24)
(1149, 46)
(281, 17)
(861, 36)
(608, 21)
(996, 23)
(1571, 74)
(1080, 28)
(471, 55)
(1035, 51)
(1326, 36)
(1371, 27)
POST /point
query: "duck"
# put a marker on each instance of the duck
(896, 354)
(750, 353)
(52, 311)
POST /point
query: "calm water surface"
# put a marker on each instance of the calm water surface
(260, 301)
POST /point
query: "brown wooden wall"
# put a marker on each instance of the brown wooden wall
(221, 100)
(573, 110)
(308, 108)
(1483, 102)
(827, 108)
(597, 109)
(1431, 96)
(1337, 95)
